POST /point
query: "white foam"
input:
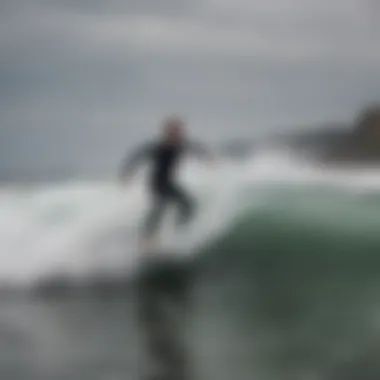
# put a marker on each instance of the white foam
(80, 229)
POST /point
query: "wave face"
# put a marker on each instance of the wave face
(271, 206)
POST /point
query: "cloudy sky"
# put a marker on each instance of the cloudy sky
(81, 81)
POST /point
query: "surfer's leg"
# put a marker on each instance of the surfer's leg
(155, 215)
(186, 205)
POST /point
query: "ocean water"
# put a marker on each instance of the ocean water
(282, 264)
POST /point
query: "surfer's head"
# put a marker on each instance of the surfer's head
(174, 130)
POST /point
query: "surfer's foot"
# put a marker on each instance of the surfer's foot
(149, 244)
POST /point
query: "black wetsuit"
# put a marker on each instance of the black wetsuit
(162, 184)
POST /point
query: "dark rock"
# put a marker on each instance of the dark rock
(362, 144)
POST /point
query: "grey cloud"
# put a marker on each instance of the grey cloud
(82, 81)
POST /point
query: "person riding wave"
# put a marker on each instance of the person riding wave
(165, 156)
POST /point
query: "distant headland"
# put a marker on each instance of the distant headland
(361, 144)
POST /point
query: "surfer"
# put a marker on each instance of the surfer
(165, 155)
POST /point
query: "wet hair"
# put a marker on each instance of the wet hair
(173, 124)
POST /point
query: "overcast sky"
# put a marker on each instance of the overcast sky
(83, 80)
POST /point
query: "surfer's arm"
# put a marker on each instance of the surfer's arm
(200, 150)
(130, 162)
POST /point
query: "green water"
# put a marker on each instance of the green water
(290, 291)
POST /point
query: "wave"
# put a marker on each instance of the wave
(274, 205)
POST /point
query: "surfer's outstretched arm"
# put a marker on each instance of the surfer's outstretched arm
(131, 162)
(200, 150)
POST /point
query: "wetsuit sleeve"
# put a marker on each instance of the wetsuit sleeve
(198, 149)
(130, 163)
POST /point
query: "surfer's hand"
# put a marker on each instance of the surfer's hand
(125, 181)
